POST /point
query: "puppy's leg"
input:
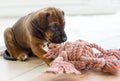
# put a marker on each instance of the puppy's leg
(37, 49)
(12, 46)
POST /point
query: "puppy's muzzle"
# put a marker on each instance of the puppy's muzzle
(59, 37)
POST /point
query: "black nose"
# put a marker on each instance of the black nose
(64, 39)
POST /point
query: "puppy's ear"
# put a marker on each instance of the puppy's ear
(47, 15)
(40, 21)
(46, 22)
(39, 25)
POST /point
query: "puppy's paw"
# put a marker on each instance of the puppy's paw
(22, 57)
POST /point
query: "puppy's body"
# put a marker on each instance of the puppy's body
(32, 31)
(21, 32)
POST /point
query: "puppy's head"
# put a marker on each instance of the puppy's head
(50, 24)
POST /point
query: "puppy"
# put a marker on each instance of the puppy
(30, 33)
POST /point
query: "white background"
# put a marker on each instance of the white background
(95, 21)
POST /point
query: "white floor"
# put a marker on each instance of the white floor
(101, 29)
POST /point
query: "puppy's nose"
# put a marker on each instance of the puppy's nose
(64, 39)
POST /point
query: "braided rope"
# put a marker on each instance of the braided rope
(79, 55)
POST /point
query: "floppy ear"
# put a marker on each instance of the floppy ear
(39, 25)
(40, 21)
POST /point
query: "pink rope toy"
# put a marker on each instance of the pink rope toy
(72, 57)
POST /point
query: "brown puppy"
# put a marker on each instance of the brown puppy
(30, 33)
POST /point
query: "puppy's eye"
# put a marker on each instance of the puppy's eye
(54, 28)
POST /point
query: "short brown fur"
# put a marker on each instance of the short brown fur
(32, 31)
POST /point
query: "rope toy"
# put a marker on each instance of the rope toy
(72, 57)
